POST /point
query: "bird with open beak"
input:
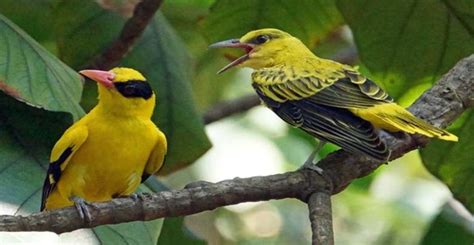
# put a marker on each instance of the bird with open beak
(332, 102)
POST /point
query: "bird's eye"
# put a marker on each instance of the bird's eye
(130, 90)
(262, 39)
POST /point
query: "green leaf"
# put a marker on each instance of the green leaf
(27, 134)
(31, 74)
(185, 19)
(83, 29)
(450, 227)
(163, 59)
(451, 162)
(410, 43)
(31, 16)
(309, 20)
(174, 232)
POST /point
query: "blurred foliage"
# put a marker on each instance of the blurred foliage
(309, 20)
(86, 26)
(25, 14)
(408, 43)
(174, 232)
(452, 163)
(452, 224)
(25, 152)
(403, 45)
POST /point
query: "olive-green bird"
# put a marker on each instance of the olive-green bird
(328, 100)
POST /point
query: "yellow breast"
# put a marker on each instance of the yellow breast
(111, 161)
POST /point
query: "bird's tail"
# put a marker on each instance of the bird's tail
(393, 117)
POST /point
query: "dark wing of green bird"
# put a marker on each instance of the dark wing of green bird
(344, 93)
(336, 125)
(343, 89)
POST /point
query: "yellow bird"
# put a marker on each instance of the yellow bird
(111, 150)
(328, 100)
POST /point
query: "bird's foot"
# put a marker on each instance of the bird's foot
(136, 196)
(82, 208)
(309, 164)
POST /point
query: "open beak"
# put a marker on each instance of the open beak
(105, 78)
(234, 43)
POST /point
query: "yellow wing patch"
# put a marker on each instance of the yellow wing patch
(157, 156)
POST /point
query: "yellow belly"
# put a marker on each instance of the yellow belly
(110, 163)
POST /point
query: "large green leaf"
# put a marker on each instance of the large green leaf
(27, 135)
(452, 162)
(30, 73)
(31, 16)
(185, 18)
(160, 55)
(450, 227)
(410, 43)
(309, 20)
(174, 232)
(83, 29)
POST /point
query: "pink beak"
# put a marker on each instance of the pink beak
(103, 77)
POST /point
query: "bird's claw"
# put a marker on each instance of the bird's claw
(82, 208)
(313, 167)
(136, 197)
(309, 164)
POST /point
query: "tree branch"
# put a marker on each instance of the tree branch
(440, 105)
(229, 108)
(245, 103)
(320, 215)
(131, 31)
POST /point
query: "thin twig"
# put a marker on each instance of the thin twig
(229, 108)
(131, 31)
(440, 105)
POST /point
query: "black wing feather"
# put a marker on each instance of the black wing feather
(54, 174)
(346, 94)
(336, 125)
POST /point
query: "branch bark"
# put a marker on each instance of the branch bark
(320, 215)
(229, 108)
(440, 105)
(131, 31)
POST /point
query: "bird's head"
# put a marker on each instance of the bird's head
(123, 91)
(264, 48)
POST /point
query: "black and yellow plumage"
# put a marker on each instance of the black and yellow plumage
(109, 151)
(330, 101)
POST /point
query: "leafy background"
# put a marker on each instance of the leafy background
(404, 45)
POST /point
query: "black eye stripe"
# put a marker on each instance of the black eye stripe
(134, 89)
